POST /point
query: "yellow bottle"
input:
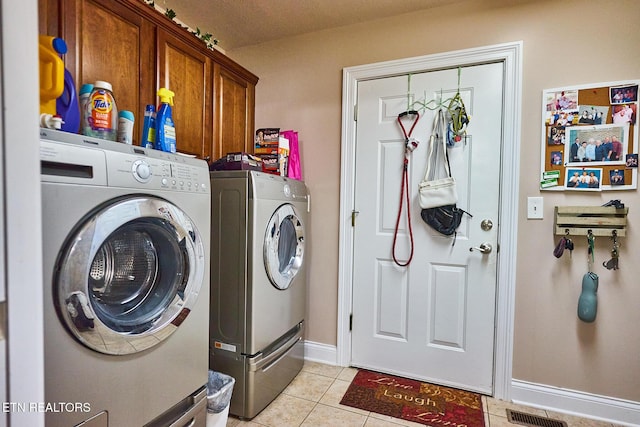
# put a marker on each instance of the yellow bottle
(51, 72)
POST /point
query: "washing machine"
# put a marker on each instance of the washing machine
(126, 238)
(258, 283)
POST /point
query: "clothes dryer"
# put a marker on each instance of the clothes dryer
(126, 292)
(258, 284)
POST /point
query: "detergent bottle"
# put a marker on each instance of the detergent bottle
(165, 129)
(85, 94)
(102, 112)
(67, 105)
(51, 72)
(126, 120)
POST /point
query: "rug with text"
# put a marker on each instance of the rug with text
(412, 400)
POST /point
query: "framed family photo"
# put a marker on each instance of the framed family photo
(596, 144)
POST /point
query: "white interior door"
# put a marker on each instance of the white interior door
(434, 319)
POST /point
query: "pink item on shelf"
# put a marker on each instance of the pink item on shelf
(295, 168)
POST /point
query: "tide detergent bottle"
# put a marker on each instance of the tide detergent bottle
(102, 112)
(165, 129)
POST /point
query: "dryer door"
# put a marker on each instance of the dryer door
(283, 246)
(129, 274)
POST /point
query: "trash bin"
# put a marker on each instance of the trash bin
(219, 390)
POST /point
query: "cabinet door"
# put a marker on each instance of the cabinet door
(186, 71)
(48, 13)
(234, 116)
(108, 41)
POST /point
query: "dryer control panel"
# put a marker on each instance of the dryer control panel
(269, 186)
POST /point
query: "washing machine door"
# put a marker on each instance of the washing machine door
(129, 275)
(284, 246)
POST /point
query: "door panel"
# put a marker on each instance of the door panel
(392, 300)
(447, 311)
(390, 152)
(434, 319)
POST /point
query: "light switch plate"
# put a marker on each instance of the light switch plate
(535, 207)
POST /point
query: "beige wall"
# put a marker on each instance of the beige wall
(565, 43)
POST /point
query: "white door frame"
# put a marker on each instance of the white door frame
(511, 55)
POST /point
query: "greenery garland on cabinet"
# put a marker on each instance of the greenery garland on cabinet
(207, 38)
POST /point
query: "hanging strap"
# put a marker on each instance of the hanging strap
(590, 250)
(437, 143)
(410, 145)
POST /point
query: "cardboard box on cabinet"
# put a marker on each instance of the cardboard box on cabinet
(266, 141)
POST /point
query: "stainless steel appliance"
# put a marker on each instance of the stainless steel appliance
(258, 284)
(126, 286)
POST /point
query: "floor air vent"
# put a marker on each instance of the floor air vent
(516, 417)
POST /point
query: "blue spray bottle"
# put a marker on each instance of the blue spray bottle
(148, 139)
(165, 129)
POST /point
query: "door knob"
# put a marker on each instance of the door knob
(484, 248)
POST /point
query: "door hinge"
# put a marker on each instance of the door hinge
(350, 322)
(355, 113)
(354, 213)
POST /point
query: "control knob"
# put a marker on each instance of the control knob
(141, 171)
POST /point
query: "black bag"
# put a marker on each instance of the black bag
(444, 219)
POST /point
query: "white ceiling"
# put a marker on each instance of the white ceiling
(238, 23)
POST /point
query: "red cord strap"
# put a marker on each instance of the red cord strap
(410, 145)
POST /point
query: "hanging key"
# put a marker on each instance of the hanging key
(568, 245)
(612, 264)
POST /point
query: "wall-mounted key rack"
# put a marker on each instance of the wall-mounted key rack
(600, 220)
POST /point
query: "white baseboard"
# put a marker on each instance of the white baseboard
(321, 353)
(586, 405)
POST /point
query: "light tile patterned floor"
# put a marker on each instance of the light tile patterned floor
(313, 400)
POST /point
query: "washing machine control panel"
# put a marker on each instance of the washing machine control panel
(72, 158)
(159, 173)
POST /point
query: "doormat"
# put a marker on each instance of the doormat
(412, 400)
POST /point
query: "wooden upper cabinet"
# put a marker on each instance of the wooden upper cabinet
(110, 42)
(48, 13)
(186, 71)
(234, 116)
(137, 50)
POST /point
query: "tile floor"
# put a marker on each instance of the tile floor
(312, 400)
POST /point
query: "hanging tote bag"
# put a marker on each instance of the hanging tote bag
(438, 188)
(438, 195)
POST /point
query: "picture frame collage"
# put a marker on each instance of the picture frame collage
(590, 137)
